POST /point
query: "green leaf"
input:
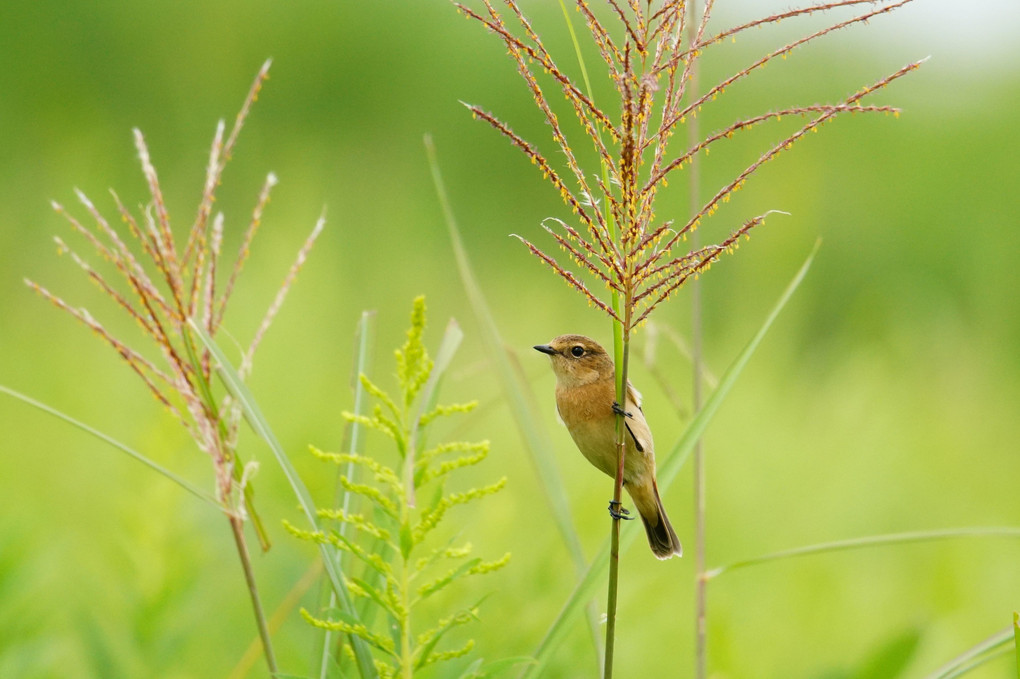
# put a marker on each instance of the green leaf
(438, 584)
(376, 596)
(254, 417)
(155, 466)
(372, 559)
(472, 670)
(890, 659)
(503, 664)
(348, 624)
(372, 493)
(429, 520)
(406, 540)
(444, 656)
(586, 587)
(432, 637)
(367, 385)
(437, 497)
(437, 553)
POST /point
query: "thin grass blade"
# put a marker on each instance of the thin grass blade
(253, 415)
(518, 395)
(675, 461)
(1016, 641)
(363, 341)
(870, 541)
(527, 419)
(990, 648)
(155, 466)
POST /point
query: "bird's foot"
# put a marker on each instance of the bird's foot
(618, 511)
(620, 411)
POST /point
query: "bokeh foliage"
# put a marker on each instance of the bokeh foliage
(885, 398)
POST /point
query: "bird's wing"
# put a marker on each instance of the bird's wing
(636, 424)
(633, 396)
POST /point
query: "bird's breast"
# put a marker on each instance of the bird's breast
(587, 411)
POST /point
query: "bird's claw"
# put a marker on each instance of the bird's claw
(618, 511)
(620, 411)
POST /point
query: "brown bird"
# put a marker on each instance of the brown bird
(586, 401)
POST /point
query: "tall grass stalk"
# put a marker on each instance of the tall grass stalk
(618, 241)
(174, 287)
(674, 461)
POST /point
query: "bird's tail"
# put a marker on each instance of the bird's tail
(661, 536)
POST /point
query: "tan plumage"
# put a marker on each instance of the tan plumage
(585, 393)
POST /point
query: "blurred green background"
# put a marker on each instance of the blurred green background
(885, 399)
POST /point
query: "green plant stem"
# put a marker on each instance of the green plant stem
(614, 570)
(237, 528)
(253, 414)
(614, 539)
(674, 462)
(406, 650)
(620, 346)
(205, 390)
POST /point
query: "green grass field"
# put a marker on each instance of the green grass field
(885, 398)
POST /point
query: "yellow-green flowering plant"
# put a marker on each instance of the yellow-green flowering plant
(391, 536)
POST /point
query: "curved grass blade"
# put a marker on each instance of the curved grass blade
(363, 340)
(253, 415)
(155, 466)
(518, 395)
(870, 541)
(1016, 641)
(990, 648)
(667, 474)
(536, 438)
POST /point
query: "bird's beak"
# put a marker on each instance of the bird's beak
(545, 349)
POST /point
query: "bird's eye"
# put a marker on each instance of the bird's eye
(577, 350)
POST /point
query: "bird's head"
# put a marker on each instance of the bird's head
(578, 360)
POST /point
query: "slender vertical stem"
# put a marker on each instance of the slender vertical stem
(621, 341)
(344, 497)
(237, 527)
(614, 566)
(614, 542)
(406, 647)
(694, 177)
